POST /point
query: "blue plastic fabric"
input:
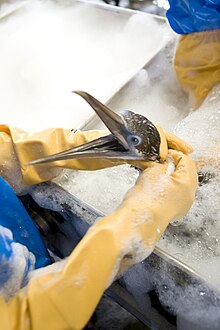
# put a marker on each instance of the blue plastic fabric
(14, 217)
(6, 252)
(188, 16)
(15, 259)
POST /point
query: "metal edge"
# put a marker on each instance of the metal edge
(180, 265)
(121, 10)
(12, 8)
(180, 273)
(111, 8)
(92, 118)
(161, 254)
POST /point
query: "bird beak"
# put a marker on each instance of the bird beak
(114, 145)
(113, 121)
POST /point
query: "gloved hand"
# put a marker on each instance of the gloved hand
(18, 148)
(15, 218)
(66, 299)
(197, 58)
(15, 263)
(197, 63)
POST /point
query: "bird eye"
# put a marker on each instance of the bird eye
(135, 140)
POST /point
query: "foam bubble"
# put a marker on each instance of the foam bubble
(195, 239)
(104, 189)
(61, 47)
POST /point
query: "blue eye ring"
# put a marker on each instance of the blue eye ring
(135, 140)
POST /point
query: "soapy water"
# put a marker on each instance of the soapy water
(66, 46)
(15, 261)
(195, 241)
(139, 95)
(201, 129)
(108, 185)
(153, 92)
(193, 304)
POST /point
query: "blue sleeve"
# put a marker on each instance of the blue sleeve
(6, 254)
(188, 16)
(14, 217)
(15, 263)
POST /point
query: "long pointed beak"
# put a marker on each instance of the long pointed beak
(113, 121)
(111, 146)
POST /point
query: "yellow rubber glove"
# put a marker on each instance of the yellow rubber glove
(66, 299)
(197, 63)
(18, 148)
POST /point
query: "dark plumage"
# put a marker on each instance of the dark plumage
(133, 137)
(144, 130)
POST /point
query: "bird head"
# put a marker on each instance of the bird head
(133, 137)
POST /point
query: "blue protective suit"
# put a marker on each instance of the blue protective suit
(19, 238)
(188, 16)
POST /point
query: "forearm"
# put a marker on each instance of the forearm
(68, 297)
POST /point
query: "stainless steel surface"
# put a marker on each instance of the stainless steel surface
(8, 8)
(77, 217)
(115, 78)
